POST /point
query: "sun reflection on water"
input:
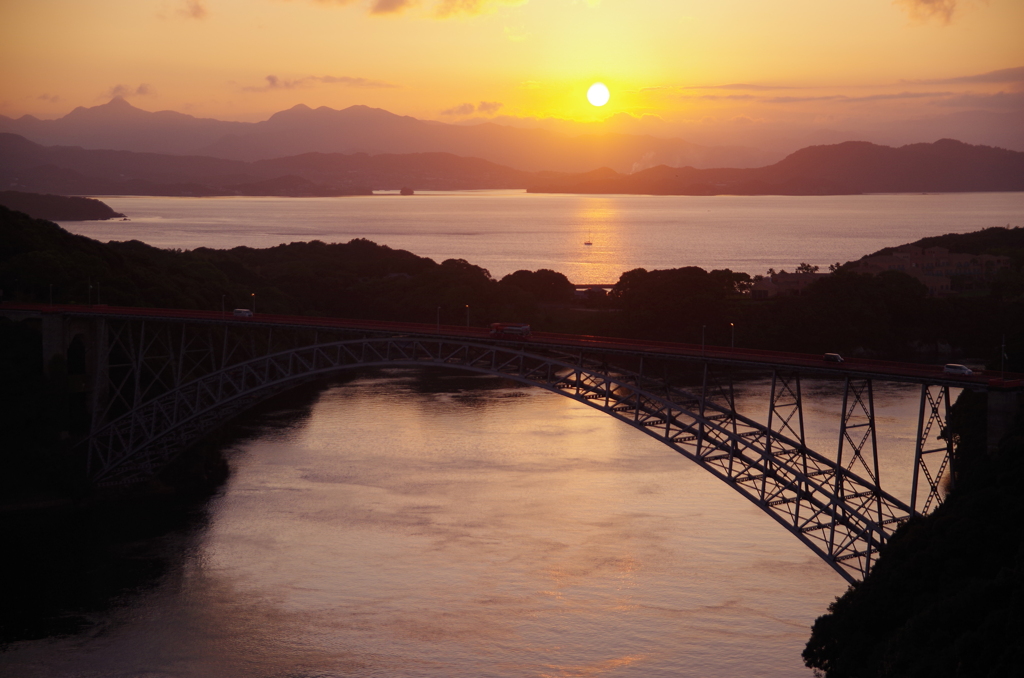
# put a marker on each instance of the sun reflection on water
(598, 220)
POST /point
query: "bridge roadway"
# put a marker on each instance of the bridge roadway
(158, 380)
(860, 368)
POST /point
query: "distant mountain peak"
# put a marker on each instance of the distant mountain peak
(370, 111)
(118, 102)
(117, 108)
(950, 143)
(296, 111)
(850, 167)
(15, 142)
(327, 114)
(118, 125)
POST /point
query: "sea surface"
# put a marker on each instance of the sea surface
(506, 231)
(420, 523)
(429, 523)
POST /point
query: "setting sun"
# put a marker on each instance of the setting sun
(390, 351)
(598, 94)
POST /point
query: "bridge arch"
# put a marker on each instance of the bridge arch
(839, 515)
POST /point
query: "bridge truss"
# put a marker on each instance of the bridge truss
(173, 382)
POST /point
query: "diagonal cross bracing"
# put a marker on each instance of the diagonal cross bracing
(843, 517)
(932, 459)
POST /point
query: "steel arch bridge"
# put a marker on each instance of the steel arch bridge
(162, 380)
(840, 515)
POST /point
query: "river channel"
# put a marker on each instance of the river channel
(429, 523)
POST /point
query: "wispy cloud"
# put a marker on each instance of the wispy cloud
(49, 98)
(1000, 76)
(441, 9)
(899, 95)
(1005, 75)
(801, 100)
(733, 87)
(855, 100)
(124, 91)
(447, 8)
(923, 10)
(744, 86)
(1011, 101)
(389, 6)
(720, 97)
(461, 109)
(194, 9)
(276, 83)
(484, 107)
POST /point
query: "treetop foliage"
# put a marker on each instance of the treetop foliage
(883, 316)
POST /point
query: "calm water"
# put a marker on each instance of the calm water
(424, 524)
(505, 231)
(431, 524)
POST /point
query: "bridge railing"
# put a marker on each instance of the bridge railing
(154, 356)
(916, 371)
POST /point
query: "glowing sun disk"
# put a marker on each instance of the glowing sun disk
(598, 94)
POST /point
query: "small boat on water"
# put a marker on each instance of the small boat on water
(588, 243)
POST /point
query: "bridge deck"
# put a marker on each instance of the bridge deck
(165, 378)
(742, 357)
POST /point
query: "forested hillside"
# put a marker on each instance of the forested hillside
(887, 316)
(946, 598)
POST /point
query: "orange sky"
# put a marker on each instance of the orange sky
(681, 62)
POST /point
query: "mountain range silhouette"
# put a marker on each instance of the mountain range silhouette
(118, 125)
(851, 167)
(846, 168)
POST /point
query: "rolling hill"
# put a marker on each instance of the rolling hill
(846, 168)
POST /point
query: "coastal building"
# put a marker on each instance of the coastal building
(783, 284)
(941, 271)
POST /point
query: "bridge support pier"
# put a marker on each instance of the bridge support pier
(932, 463)
(55, 340)
(78, 346)
(859, 413)
(1002, 407)
(157, 382)
(721, 393)
(786, 404)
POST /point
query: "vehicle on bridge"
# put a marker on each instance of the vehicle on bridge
(957, 369)
(166, 378)
(832, 358)
(510, 331)
(242, 313)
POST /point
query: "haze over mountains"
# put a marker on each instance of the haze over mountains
(118, 125)
(117, 148)
(850, 167)
(27, 166)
